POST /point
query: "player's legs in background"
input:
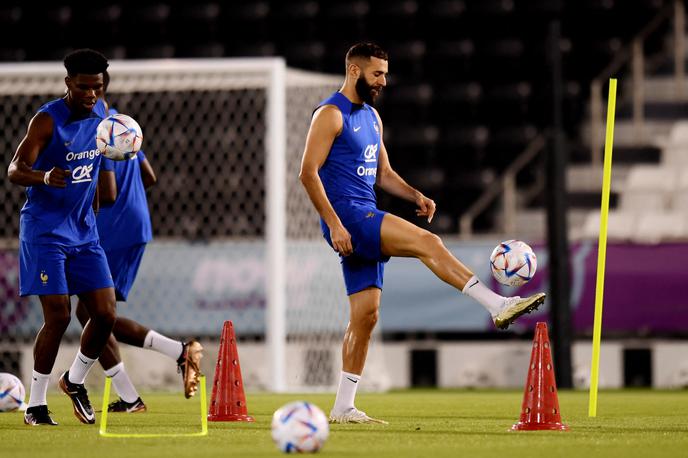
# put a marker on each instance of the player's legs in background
(111, 361)
(56, 315)
(187, 355)
(363, 316)
(402, 238)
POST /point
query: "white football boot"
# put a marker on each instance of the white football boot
(517, 306)
(353, 415)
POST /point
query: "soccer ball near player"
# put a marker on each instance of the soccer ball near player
(11, 392)
(513, 263)
(299, 427)
(119, 137)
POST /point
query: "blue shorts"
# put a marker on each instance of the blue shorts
(365, 267)
(124, 264)
(46, 269)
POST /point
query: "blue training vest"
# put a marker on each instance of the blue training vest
(127, 221)
(65, 215)
(350, 170)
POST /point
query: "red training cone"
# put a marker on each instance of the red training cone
(228, 402)
(540, 410)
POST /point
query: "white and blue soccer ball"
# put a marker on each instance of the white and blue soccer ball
(11, 392)
(299, 427)
(513, 263)
(119, 137)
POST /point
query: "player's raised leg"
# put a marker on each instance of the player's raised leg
(402, 238)
(187, 354)
(364, 313)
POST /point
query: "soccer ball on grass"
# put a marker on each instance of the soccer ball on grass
(299, 427)
(11, 392)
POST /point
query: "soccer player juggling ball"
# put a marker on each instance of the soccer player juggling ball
(60, 254)
(344, 158)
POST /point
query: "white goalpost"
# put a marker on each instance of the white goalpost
(236, 237)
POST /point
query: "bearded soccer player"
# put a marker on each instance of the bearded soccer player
(344, 158)
(60, 254)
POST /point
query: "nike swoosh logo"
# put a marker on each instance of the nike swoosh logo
(353, 379)
(86, 415)
(474, 283)
(356, 129)
(85, 362)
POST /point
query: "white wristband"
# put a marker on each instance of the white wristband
(46, 178)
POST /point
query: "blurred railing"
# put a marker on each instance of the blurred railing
(504, 188)
(634, 53)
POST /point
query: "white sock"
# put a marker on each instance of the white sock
(39, 388)
(122, 383)
(348, 383)
(80, 367)
(161, 344)
(492, 301)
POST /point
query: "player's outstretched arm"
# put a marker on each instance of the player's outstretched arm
(391, 182)
(325, 126)
(20, 170)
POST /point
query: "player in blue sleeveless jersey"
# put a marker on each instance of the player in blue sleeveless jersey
(60, 254)
(125, 229)
(344, 158)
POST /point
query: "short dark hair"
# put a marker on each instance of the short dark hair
(366, 49)
(85, 61)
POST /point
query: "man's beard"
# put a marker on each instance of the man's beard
(366, 92)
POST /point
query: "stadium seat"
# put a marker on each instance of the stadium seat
(247, 21)
(296, 20)
(211, 49)
(344, 18)
(200, 21)
(679, 199)
(104, 18)
(407, 58)
(621, 225)
(648, 187)
(445, 20)
(152, 51)
(306, 54)
(451, 61)
(400, 18)
(675, 151)
(656, 227)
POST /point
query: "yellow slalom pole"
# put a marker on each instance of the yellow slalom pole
(602, 249)
(204, 417)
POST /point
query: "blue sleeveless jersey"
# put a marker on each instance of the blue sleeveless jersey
(127, 221)
(65, 215)
(349, 172)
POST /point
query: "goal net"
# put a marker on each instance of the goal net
(236, 237)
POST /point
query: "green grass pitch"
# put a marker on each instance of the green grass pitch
(432, 423)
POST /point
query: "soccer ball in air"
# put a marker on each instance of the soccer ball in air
(299, 427)
(513, 263)
(119, 137)
(11, 392)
